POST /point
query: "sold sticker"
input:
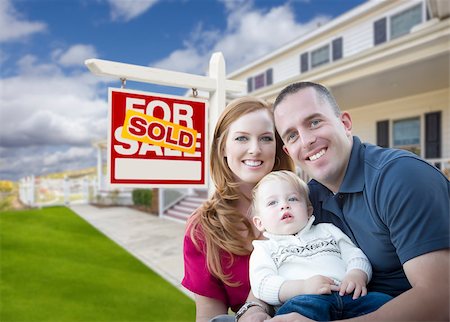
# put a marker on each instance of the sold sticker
(148, 129)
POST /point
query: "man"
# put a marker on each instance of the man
(392, 204)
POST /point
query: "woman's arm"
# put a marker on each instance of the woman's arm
(256, 313)
(207, 308)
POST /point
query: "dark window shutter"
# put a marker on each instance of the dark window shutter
(383, 134)
(269, 76)
(379, 31)
(249, 84)
(304, 65)
(337, 48)
(433, 135)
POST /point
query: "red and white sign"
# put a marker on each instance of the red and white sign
(156, 140)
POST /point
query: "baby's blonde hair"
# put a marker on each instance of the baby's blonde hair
(285, 175)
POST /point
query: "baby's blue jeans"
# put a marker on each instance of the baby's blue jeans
(330, 307)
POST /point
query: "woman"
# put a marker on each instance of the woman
(219, 235)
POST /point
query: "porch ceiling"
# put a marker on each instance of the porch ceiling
(422, 76)
(407, 66)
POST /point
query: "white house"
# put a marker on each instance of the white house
(386, 62)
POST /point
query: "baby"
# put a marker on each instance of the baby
(314, 270)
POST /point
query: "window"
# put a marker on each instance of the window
(304, 64)
(406, 134)
(320, 56)
(249, 84)
(398, 25)
(269, 77)
(379, 31)
(259, 81)
(337, 48)
(402, 22)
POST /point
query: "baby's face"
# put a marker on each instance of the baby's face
(281, 209)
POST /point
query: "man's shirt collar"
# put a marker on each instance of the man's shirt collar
(354, 175)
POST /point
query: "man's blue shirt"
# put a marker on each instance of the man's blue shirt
(393, 205)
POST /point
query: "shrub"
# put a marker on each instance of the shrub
(142, 197)
(6, 186)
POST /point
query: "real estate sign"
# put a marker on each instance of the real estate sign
(156, 140)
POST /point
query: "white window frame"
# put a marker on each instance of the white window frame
(390, 16)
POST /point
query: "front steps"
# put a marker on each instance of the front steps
(186, 206)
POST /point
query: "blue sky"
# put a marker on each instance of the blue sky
(52, 108)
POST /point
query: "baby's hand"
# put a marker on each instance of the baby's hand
(319, 284)
(355, 281)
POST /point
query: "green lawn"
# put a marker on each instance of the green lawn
(56, 267)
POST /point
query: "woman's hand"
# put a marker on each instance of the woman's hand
(255, 314)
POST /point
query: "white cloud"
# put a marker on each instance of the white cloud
(75, 55)
(126, 10)
(72, 153)
(44, 113)
(13, 26)
(187, 60)
(250, 34)
(23, 162)
(39, 109)
(195, 55)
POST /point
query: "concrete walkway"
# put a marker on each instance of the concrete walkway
(156, 242)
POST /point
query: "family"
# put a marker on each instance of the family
(366, 239)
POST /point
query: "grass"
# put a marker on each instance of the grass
(56, 267)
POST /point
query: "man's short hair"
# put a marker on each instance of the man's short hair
(322, 92)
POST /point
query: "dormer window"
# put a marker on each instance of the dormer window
(402, 23)
(320, 56)
(397, 25)
(260, 80)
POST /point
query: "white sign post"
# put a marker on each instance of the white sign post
(215, 83)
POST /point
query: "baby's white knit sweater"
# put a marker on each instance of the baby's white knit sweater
(321, 249)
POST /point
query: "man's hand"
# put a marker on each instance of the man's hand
(355, 281)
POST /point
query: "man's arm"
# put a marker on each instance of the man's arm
(427, 300)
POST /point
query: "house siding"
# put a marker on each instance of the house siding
(357, 37)
(287, 68)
